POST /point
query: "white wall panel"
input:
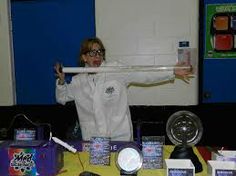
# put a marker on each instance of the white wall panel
(136, 31)
(7, 87)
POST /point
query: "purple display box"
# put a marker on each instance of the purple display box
(32, 158)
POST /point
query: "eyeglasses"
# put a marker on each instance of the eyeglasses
(100, 52)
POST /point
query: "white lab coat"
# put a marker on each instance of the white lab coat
(101, 101)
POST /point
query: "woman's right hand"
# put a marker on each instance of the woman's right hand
(59, 73)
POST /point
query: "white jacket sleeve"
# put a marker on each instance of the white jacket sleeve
(140, 77)
(150, 77)
(63, 93)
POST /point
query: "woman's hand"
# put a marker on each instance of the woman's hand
(59, 73)
(183, 71)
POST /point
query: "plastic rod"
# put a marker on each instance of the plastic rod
(117, 69)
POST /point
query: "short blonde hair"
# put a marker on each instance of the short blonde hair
(86, 46)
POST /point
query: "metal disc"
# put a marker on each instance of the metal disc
(184, 127)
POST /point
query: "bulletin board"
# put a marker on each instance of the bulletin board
(220, 30)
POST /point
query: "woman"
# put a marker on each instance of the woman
(101, 98)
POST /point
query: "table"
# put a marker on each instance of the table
(74, 164)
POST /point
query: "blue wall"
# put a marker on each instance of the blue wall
(219, 81)
(46, 31)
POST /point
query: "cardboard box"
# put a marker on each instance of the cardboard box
(219, 168)
(224, 155)
(180, 167)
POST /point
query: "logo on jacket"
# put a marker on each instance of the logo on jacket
(110, 90)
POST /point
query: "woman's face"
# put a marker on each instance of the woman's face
(94, 57)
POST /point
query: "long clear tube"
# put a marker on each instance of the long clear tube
(117, 69)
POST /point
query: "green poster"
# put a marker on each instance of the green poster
(220, 36)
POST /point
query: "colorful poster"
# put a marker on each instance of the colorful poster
(100, 151)
(220, 35)
(152, 149)
(22, 161)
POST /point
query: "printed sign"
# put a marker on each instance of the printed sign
(152, 149)
(100, 151)
(222, 172)
(180, 172)
(22, 161)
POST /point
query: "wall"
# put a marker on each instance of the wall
(7, 86)
(46, 32)
(148, 33)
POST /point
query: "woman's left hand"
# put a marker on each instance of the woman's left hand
(183, 71)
